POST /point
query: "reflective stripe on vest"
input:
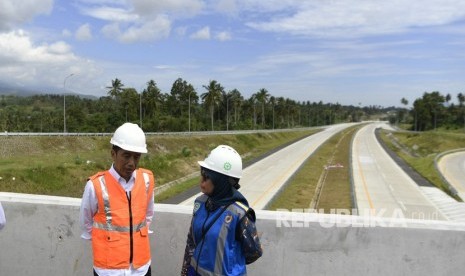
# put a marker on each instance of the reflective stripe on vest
(221, 241)
(106, 205)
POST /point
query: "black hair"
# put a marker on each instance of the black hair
(115, 148)
(234, 182)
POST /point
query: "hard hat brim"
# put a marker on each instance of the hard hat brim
(205, 165)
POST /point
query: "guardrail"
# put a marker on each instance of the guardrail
(185, 133)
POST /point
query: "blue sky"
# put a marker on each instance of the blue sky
(346, 51)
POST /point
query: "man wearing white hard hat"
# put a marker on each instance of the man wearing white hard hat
(222, 238)
(117, 208)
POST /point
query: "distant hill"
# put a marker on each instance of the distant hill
(6, 89)
(17, 91)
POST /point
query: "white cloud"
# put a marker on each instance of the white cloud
(202, 34)
(14, 12)
(66, 33)
(17, 47)
(139, 20)
(172, 7)
(181, 31)
(84, 32)
(110, 14)
(159, 27)
(227, 6)
(358, 18)
(27, 64)
(257, 6)
(223, 36)
(103, 2)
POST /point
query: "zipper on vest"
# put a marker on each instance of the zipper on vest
(128, 195)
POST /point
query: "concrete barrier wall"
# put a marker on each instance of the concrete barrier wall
(42, 237)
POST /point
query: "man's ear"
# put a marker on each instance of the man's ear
(113, 154)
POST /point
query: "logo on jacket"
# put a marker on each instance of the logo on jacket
(227, 218)
(196, 207)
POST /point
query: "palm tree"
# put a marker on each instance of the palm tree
(273, 103)
(262, 97)
(252, 101)
(153, 98)
(280, 111)
(236, 100)
(116, 88)
(404, 101)
(212, 96)
(461, 98)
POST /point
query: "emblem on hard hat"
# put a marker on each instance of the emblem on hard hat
(227, 166)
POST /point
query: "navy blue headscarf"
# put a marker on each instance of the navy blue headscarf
(224, 192)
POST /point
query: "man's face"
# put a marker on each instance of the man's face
(125, 162)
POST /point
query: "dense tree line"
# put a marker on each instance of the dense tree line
(182, 109)
(433, 110)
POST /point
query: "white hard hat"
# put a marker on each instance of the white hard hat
(130, 137)
(225, 160)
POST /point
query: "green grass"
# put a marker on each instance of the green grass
(299, 192)
(61, 165)
(419, 150)
(160, 197)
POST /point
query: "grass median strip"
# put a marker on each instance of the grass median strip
(329, 166)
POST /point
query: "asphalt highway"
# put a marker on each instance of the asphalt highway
(262, 180)
(381, 187)
(452, 167)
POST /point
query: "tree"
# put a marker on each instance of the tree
(448, 98)
(428, 109)
(212, 97)
(403, 101)
(252, 101)
(262, 97)
(129, 101)
(152, 98)
(273, 103)
(116, 88)
(236, 102)
(461, 99)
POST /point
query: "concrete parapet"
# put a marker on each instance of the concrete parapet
(42, 237)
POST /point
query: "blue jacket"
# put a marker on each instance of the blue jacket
(220, 241)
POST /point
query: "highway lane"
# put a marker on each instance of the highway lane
(452, 167)
(381, 187)
(261, 181)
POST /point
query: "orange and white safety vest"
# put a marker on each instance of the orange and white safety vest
(120, 232)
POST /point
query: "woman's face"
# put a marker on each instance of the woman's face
(206, 184)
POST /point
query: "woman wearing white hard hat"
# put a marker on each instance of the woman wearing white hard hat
(117, 208)
(222, 237)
